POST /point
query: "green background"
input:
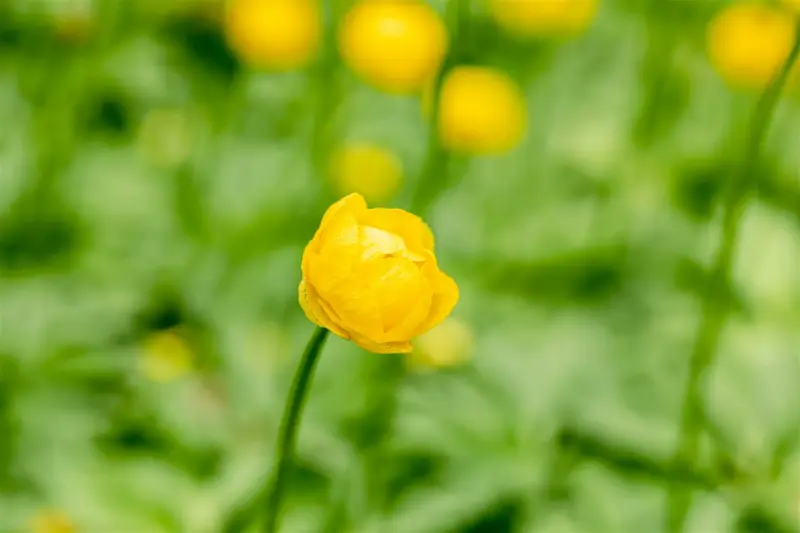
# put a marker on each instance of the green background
(582, 257)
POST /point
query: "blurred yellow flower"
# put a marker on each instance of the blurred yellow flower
(164, 137)
(52, 521)
(370, 275)
(368, 169)
(274, 34)
(748, 43)
(448, 344)
(166, 356)
(395, 46)
(75, 25)
(543, 17)
(481, 111)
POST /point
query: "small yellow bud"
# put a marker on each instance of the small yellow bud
(396, 46)
(166, 357)
(368, 169)
(543, 18)
(164, 137)
(749, 42)
(52, 521)
(449, 344)
(274, 34)
(481, 111)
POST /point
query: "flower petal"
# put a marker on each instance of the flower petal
(416, 234)
(382, 347)
(339, 223)
(445, 296)
(317, 311)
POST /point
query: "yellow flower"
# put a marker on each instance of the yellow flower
(481, 111)
(367, 169)
(448, 344)
(543, 17)
(395, 46)
(749, 42)
(370, 275)
(274, 34)
(52, 522)
(165, 137)
(166, 356)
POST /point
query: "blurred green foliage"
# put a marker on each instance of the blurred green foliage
(151, 182)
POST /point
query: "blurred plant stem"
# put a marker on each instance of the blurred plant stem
(713, 315)
(271, 492)
(437, 173)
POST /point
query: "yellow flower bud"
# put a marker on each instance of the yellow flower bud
(164, 137)
(52, 522)
(481, 111)
(749, 42)
(166, 357)
(543, 17)
(448, 344)
(395, 46)
(274, 34)
(367, 169)
(371, 276)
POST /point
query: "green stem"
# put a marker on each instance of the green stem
(713, 316)
(290, 423)
(272, 489)
(435, 176)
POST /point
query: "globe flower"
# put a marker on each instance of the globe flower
(371, 276)
(448, 344)
(395, 46)
(368, 169)
(166, 356)
(749, 42)
(274, 34)
(481, 111)
(543, 17)
(52, 521)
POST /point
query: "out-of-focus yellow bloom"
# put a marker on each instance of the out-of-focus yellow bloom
(749, 42)
(543, 17)
(370, 275)
(792, 4)
(164, 137)
(367, 169)
(481, 111)
(52, 522)
(394, 46)
(448, 344)
(274, 34)
(166, 356)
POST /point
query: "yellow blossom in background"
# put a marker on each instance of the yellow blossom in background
(371, 276)
(274, 34)
(368, 169)
(481, 111)
(74, 23)
(52, 522)
(749, 42)
(165, 137)
(166, 356)
(395, 46)
(448, 344)
(543, 17)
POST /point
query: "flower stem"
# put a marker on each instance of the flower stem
(713, 315)
(272, 488)
(290, 423)
(435, 176)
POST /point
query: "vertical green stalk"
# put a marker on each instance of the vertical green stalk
(290, 423)
(271, 491)
(435, 176)
(713, 315)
